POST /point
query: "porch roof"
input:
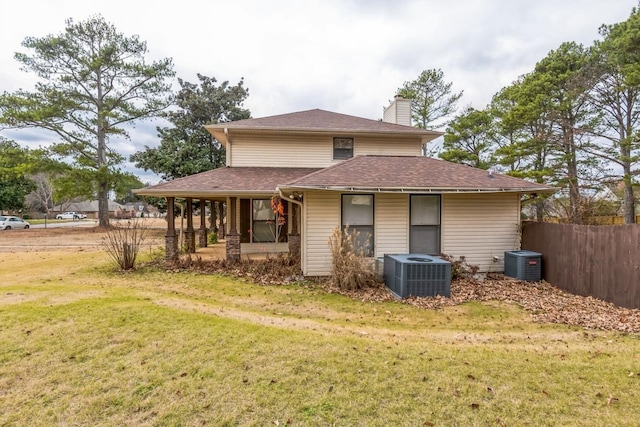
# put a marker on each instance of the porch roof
(411, 174)
(227, 181)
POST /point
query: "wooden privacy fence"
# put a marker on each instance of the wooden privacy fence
(601, 261)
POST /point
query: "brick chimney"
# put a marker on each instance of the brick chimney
(398, 112)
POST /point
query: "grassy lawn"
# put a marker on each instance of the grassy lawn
(84, 345)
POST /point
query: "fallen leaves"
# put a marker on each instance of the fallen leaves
(546, 303)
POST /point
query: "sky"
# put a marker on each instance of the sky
(346, 56)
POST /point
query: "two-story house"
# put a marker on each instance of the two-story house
(334, 170)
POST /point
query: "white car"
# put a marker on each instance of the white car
(71, 215)
(9, 222)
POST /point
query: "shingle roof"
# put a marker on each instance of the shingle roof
(361, 173)
(86, 206)
(318, 121)
(226, 181)
(395, 173)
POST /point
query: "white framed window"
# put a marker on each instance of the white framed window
(263, 227)
(357, 213)
(424, 229)
(342, 148)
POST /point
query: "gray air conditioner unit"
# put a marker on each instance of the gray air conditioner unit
(417, 275)
(523, 265)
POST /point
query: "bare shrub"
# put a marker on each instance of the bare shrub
(123, 241)
(460, 268)
(350, 268)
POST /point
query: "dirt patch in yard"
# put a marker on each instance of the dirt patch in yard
(78, 239)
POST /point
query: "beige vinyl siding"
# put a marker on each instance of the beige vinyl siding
(391, 223)
(383, 147)
(480, 227)
(313, 151)
(321, 214)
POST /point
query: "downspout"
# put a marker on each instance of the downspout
(289, 199)
(228, 150)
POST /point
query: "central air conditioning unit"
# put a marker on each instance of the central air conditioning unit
(417, 275)
(523, 265)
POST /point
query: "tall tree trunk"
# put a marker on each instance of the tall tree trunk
(629, 199)
(625, 155)
(539, 209)
(101, 159)
(572, 173)
(103, 204)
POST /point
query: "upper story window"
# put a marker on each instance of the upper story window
(342, 148)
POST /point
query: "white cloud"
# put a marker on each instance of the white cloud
(344, 56)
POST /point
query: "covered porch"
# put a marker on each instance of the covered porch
(245, 209)
(249, 226)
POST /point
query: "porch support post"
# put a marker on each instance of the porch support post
(189, 233)
(233, 208)
(233, 238)
(214, 222)
(202, 232)
(295, 218)
(222, 230)
(294, 237)
(171, 239)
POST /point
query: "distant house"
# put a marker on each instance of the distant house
(334, 170)
(88, 207)
(138, 210)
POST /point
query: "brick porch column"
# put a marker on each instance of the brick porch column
(202, 231)
(233, 238)
(189, 234)
(171, 239)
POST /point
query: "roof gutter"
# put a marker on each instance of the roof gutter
(414, 190)
(200, 194)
